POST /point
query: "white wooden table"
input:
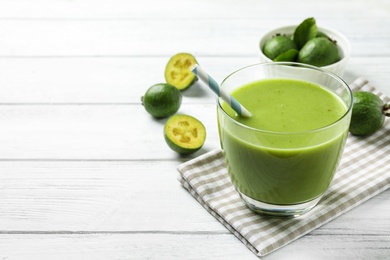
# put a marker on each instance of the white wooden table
(84, 170)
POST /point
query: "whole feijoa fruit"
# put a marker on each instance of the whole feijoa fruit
(320, 51)
(368, 114)
(280, 48)
(162, 100)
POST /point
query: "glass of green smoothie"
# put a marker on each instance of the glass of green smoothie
(283, 158)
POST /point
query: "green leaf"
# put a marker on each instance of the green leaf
(306, 31)
(289, 55)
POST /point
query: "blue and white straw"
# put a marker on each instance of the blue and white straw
(209, 81)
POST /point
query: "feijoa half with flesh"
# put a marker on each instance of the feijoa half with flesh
(368, 113)
(162, 100)
(177, 71)
(184, 134)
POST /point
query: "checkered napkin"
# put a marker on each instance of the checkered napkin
(364, 172)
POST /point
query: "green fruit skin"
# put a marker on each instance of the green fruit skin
(278, 45)
(178, 149)
(321, 34)
(367, 114)
(319, 52)
(162, 100)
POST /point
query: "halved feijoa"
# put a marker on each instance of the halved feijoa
(162, 100)
(177, 70)
(184, 134)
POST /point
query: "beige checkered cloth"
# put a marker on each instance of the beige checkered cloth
(363, 173)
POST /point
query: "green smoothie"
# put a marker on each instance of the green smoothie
(280, 155)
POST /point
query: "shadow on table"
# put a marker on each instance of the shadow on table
(197, 90)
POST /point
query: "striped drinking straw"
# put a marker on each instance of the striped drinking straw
(211, 83)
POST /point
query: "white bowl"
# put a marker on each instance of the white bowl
(343, 44)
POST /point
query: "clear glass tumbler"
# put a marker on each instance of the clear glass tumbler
(283, 172)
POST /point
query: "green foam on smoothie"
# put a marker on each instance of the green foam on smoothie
(285, 105)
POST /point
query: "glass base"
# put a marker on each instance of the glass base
(287, 211)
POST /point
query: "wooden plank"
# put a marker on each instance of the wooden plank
(122, 246)
(99, 80)
(335, 247)
(183, 246)
(125, 9)
(93, 132)
(92, 196)
(100, 38)
(130, 196)
(125, 80)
